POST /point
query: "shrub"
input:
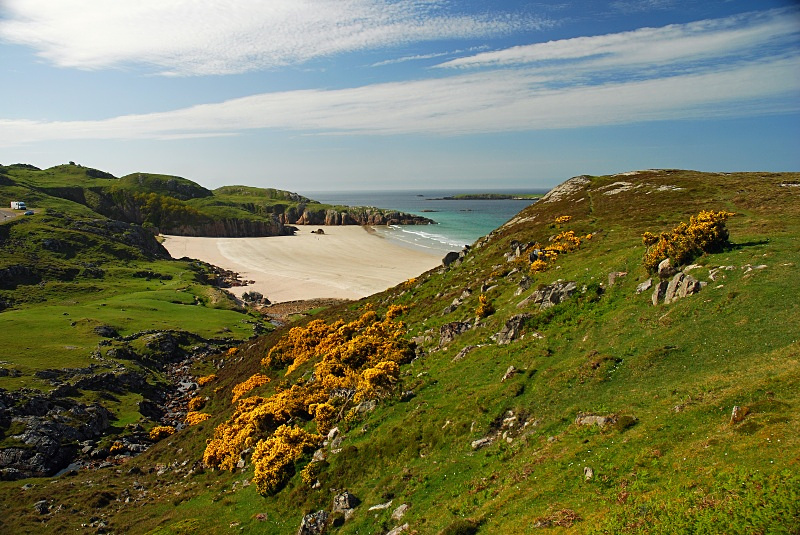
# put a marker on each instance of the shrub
(705, 233)
(245, 387)
(203, 381)
(485, 308)
(161, 431)
(196, 403)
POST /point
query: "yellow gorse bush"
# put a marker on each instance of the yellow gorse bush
(241, 389)
(194, 417)
(705, 233)
(196, 403)
(485, 308)
(355, 361)
(564, 242)
(161, 431)
(203, 381)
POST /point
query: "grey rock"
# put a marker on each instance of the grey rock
(314, 523)
(550, 295)
(512, 330)
(481, 443)
(644, 286)
(614, 275)
(510, 372)
(344, 501)
(659, 292)
(681, 285)
(449, 331)
(450, 258)
(398, 513)
(665, 269)
(381, 506)
(588, 473)
(399, 529)
(594, 419)
(42, 507)
(463, 353)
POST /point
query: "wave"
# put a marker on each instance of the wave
(416, 237)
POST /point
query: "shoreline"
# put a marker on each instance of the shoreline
(346, 262)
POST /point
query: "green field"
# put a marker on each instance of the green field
(669, 459)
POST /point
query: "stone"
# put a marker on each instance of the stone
(398, 530)
(588, 473)
(512, 330)
(449, 331)
(463, 353)
(344, 501)
(398, 513)
(738, 414)
(659, 292)
(314, 523)
(593, 419)
(42, 507)
(644, 286)
(665, 269)
(450, 258)
(381, 506)
(481, 443)
(550, 295)
(510, 372)
(614, 275)
(681, 285)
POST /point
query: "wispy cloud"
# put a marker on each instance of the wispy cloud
(743, 66)
(186, 37)
(718, 39)
(419, 57)
(492, 101)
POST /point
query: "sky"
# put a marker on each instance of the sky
(316, 95)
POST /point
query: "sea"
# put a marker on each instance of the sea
(458, 222)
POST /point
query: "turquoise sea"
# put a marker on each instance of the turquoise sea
(458, 222)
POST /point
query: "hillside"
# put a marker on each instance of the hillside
(174, 205)
(530, 385)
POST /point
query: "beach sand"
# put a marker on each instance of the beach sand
(346, 262)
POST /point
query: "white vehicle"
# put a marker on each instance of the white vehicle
(18, 205)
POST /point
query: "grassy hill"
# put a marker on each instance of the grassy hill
(603, 413)
(175, 205)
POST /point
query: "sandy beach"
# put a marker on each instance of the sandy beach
(346, 262)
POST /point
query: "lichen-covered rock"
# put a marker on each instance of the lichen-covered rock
(314, 523)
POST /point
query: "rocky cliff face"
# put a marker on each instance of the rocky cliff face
(304, 215)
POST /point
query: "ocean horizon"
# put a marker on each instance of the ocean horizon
(458, 222)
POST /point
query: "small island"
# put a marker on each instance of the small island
(491, 197)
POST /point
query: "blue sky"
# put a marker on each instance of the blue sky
(377, 94)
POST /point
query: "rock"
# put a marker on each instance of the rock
(665, 269)
(512, 330)
(314, 523)
(366, 406)
(463, 353)
(481, 443)
(588, 473)
(450, 258)
(659, 292)
(614, 275)
(510, 372)
(449, 331)
(344, 501)
(566, 189)
(42, 507)
(333, 433)
(398, 513)
(106, 332)
(381, 506)
(738, 414)
(594, 419)
(398, 530)
(644, 286)
(681, 285)
(550, 295)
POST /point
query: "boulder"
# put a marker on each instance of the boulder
(314, 523)
(450, 258)
(644, 286)
(681, 285)
(512, 330)
(398, 513)
(659, 291)
(594, 419)
(344, 501)
(614, 275)
(665, 269)
(449, 331)
(550, 295)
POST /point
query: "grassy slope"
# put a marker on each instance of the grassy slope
(676, 370)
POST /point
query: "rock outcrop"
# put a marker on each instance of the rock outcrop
(549, 295)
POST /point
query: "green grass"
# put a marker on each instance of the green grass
(671, 374)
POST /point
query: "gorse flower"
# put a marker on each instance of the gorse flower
(355, 361)
(705, 233)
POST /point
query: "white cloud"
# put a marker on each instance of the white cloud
(187, 37)
(674, 44)
(491, 101)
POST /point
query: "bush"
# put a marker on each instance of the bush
(705, 233)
